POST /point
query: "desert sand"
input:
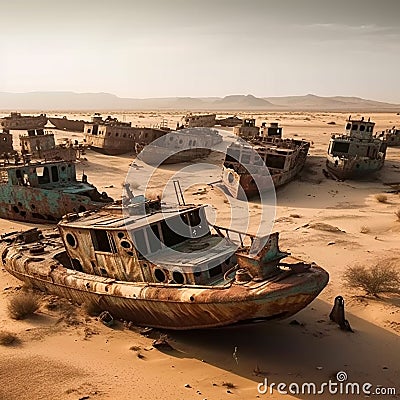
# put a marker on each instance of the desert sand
(65, 354)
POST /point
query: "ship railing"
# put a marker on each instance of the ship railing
(245, 239)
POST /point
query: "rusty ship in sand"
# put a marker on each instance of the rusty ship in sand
(16, 121)
(65, 124)
(263, 162)
(180, 146)
(111, 136)
(142, 268)
(392, 137)
(44, 192)
(356, 154)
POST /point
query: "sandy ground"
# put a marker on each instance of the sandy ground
(65, 354)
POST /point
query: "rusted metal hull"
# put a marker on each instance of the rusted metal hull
(30, 204)
(168, 306)
(238, 184)
(23, 122)
(155, 155)
(65, 124)
(353, 168)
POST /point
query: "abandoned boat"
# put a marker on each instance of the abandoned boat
(165, 268)
(392, 137)
(357, 153)
(41, 144)
(44, 192)
(229, 121)
(65, 124)
(199, 121)
(263, 162)
(180, 146)
(113, 137)
(16, 121)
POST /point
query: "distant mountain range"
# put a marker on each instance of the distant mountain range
(49, 101)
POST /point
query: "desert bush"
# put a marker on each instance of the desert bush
(8, 339)
(381, 197)
(23, 305)
(364, 229)
(383, 277)
(229, 385)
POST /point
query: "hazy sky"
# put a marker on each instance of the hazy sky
(159, 48)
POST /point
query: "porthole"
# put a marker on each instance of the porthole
(15, 209)
(120, 235)
(178, 277)
(70, 238)
(125, 244)
(159, 275)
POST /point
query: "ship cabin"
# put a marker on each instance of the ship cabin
(392, 136)
(359, 140)
(273, 130)
(200, 121)
(276, 158)
(57, 175)
(172, 246)
(248, 129)
(36, 141)
(360, 129)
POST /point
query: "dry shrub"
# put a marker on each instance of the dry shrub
(8, 339)
(364, 229)
(381, 197)
(135, 348)
(321, 226)
(295, 215)
(383, 277)
(229, 385)
(397, 213)
(23, 305)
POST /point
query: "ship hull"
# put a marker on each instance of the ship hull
(29, 204)
(154, 155)
(243, 184)
(178, 307)
(65, 124)
(354, 168)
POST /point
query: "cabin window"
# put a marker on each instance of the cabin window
(102, 241)
(362, 128)
(89, 130)
(154, 242)
(245, 158)
(275, 161)
(369, 129)
(76, 265)
(178, 277)
(348, 126)
(43, 175)
(140, 242)
(171, 237)
(340, 147)
(217, 270)
(159, 275)
(354, 127)
(191, 218)
(54, 173)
